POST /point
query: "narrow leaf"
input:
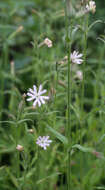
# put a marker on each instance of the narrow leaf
(9, 122)
(102, 188)
(24, 120)
(51, 176)
(83, 149)
(59, 136)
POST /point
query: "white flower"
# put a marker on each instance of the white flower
(76, 57)
(79, 75)
(20, 148)
(48, 42)
(91, 6)
(37, 95)
(43, 141)
(31, 130)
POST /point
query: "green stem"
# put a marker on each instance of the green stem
(84, 65)
(83, 90)
(25, 158)
(68, 130)
(17, 153)
(97, 93)
(2, 82)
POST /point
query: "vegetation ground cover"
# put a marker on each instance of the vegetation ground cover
(78, 148)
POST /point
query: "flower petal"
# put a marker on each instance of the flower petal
(35, 103)
(40, 88)
(32, 98)
(29, 94)
(45, 97)
(35, 88)
(39, 103)
(42, 92)
(42, 99)
(30, 90)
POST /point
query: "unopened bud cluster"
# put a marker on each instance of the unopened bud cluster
(91, 6)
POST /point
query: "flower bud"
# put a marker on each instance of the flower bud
(20, 148)
(31, 130)
(48, 42)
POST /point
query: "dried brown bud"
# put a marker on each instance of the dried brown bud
(20, 29)
(62, 83)
(24, 95)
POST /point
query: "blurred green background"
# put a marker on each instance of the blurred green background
(23, 25)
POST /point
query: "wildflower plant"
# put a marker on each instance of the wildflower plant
(20, 147)
(37, 95)
(76, 57)
(48, 42)
(91, 6)
(43, 141)
(58, 141)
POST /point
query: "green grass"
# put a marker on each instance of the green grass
(22, 65)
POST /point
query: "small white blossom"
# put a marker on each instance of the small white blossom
(91, 6)
(20, 148)
(36, 95)
(31, 130)
(43, 141)
(76, 57)
(79, 75)
(48, 42)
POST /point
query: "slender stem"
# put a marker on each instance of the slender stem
(84, 65)
(69, 124)
(68, 131)
(2, 81)
(25, 160)
(17, 153)
(98, 78)
(83, 89)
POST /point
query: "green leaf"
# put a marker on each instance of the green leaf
(12, 177)
(101, 139)
(24, 120)
(51, 176)
(7, 150)
(83, 149)
(31, 114)
(62, 138)
(95, 22)
(9, 122)
(31, 173)
(102, 188)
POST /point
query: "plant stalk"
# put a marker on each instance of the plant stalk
(68, 130)
(83, 90)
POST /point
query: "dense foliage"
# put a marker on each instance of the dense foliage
(23, 27)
